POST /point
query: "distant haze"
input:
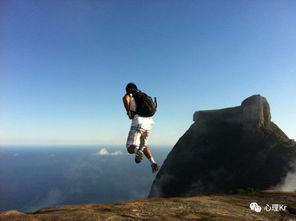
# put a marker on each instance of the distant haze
(34, 178)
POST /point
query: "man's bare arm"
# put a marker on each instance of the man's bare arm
(126, 101)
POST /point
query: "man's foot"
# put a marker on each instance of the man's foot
(139, 156)
(154, 167)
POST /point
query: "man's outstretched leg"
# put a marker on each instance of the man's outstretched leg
(150, 157)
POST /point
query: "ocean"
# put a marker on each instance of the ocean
(32, 178)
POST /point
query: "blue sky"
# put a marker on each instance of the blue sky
(64, 65)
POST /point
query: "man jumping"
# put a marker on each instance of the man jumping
(141, 125)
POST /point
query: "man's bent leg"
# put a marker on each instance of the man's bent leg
(133, 140)
(139, 153)
(132, 149)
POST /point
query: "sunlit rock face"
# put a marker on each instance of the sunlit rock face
(215, 207)
(226, 151)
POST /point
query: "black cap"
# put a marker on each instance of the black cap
(131, 87)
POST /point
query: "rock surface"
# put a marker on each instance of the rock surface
(225, 151)
(213, 207)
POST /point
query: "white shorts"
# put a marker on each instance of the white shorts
(138, 135)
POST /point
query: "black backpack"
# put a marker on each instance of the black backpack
(146, 107)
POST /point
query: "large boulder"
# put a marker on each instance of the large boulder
(226, 151)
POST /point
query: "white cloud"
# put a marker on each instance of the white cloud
(105, 152)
